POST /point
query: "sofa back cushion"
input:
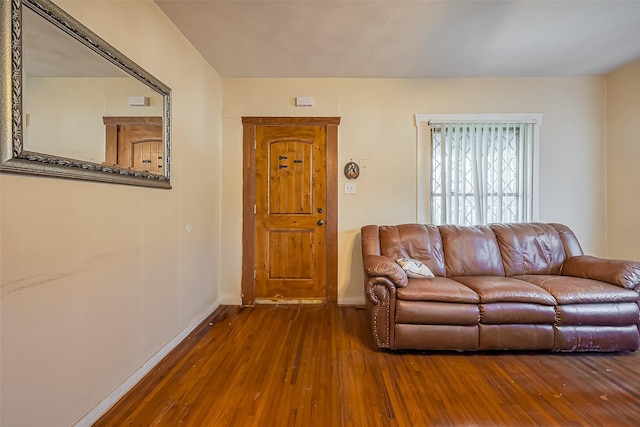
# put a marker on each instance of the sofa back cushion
(569, 240)
(530, 248)
(416, 241)
(470, 251)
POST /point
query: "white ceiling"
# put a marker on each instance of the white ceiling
(410, 38)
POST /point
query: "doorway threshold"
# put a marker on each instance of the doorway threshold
(288, 301)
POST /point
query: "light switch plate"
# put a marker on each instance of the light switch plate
(350, 188)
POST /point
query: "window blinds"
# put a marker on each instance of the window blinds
(481, 172)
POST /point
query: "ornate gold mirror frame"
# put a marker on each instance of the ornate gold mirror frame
(14, 157)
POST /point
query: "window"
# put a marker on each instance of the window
(480, 168)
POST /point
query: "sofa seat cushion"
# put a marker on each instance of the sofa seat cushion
(505, 289)
(499, 313)
(613, 314)
(436, 313)
(437, 289)
(576, 290)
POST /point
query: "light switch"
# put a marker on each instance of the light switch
(350, 188)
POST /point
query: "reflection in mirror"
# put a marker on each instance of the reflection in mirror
(71, 95)
(67, 89)
(134, 143)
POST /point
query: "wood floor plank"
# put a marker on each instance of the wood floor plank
(316, 366)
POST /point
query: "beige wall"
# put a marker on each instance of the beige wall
(96, 278)
(378, 124)
(623, 153)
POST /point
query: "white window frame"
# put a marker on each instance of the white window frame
(423, 153)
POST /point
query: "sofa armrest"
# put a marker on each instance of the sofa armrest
(625, 274)
(381, 304)
(381, 266)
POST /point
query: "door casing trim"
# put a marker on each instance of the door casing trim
(249, 125)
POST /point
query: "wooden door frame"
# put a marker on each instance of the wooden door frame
(249, 125)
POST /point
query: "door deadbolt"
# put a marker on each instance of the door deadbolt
(320, 210)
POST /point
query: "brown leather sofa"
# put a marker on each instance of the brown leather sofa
(497, 287)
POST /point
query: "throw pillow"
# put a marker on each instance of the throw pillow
(414, 268)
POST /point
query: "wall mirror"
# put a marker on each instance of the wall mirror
(74, 106)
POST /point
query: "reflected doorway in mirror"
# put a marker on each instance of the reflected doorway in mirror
(134, 143)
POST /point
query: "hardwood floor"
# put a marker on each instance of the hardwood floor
(316, 366)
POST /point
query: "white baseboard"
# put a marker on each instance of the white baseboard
(351, 301)
(101, 408)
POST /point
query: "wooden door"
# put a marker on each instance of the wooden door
(289, 234)
(134, 143)
(290, 212)
(146, 154)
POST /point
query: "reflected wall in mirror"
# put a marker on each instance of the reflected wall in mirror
(67, 85)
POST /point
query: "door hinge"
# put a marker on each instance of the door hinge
(254, 209)
(255, 144)
(254, 274)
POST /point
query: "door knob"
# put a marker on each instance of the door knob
(320, 222)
